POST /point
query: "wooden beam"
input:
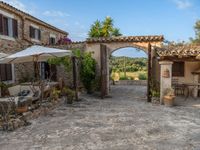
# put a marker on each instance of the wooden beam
(176, 58)
(75, 80)
(149, 95)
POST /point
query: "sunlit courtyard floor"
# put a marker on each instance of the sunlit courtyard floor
(125, 121)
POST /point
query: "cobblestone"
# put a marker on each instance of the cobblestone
(124, 122)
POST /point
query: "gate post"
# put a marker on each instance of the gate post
(75, 80)
(149, 74)
(165, 81)
(104, 71)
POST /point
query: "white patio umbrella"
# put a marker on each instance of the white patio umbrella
(3, 55)
(35, 54)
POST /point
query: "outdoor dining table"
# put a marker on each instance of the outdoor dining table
(188, 91)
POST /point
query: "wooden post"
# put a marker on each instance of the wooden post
(75, 80)
(149, 96)
(104, 81)
(124, 67)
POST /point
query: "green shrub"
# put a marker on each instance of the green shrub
(130, 78)
(142, 76)
(88, 71)
(123, 78)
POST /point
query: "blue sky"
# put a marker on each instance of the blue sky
(172, 18)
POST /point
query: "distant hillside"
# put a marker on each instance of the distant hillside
(131, 64)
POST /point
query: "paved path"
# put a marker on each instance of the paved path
(123, 122)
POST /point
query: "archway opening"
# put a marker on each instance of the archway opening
(129, 72)
(129, 64)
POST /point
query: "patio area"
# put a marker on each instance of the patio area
(125, 121)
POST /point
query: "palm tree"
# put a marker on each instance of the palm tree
(95, 30)
(116, 32)
(104, 29)
(107, 27)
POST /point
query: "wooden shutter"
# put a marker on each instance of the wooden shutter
(15, 28)
(5, 26)
(178, 69)
(32, 32)
(8, 72)
(3, 72)
(1, 24)
(39, 34)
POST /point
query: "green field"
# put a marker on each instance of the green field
(130, 75)
(136, 68)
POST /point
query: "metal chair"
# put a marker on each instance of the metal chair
(179, 89)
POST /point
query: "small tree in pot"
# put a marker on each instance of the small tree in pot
(169, 97)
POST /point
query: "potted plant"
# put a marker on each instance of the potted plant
(169, 97)
(22, 106)
(68, 94)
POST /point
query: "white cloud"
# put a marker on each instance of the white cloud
(183, 4)
(31, 9)
(55, 13)
(17, 4)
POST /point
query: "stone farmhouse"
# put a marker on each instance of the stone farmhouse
(19, 30)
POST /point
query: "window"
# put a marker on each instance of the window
(8, 26)
(35, 33)
(178, 69)
(5, 72)
(52, 40)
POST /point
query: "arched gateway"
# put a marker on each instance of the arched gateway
(103, 47)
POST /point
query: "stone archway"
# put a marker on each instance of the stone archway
(103, 47)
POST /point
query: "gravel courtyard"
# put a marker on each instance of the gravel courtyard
(124, 122)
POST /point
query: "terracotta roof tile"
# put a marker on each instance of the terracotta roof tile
(126, 39)
(184, 50)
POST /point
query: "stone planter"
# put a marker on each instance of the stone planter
(169, 100)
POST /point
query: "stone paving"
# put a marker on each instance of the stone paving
(124, 122)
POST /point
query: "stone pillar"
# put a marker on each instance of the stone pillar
(165, 77)
(195, 90)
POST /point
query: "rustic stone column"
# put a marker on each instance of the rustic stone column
(165, 77)
(195, 90)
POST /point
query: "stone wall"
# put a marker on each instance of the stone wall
(131, 82)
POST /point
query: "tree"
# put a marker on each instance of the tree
(104, 29)
(96, 29)
(116, 32)
(107, 27)
(196, 40)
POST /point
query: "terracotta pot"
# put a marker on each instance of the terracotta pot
(169, 100)
(22, 109)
